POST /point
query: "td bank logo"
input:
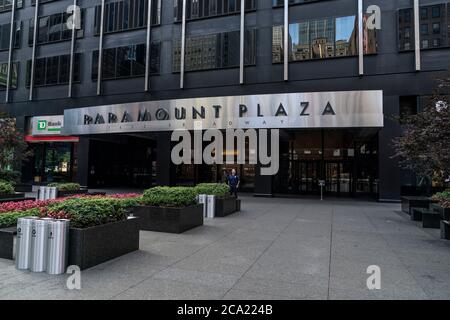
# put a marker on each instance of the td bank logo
(42, 125)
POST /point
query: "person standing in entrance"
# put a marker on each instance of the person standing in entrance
(233, 183)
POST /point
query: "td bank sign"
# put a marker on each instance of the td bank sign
(342, 109)
(50, 125)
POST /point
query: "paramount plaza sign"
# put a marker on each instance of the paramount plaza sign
(275, 111)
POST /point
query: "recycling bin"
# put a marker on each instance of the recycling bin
(211, 207)
(39, 240)
(52, 193)
(42, 191)
(23, 242)
(203, 199)
(58, 242)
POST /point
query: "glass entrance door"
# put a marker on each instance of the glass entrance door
(309, 176)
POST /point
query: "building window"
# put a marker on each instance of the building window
(126, 62)
(127, 15)
(4, 75)
(54, 70)
(6, 5)
(198, 9)
(5, 30)
(215, 51)
(279, 3)
(53, 28)
(432, 34)
(320, 39)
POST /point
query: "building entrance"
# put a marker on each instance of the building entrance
(346, 160)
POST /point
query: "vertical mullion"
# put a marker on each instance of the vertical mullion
(286, 40)
(33, 55)
(183, 45)
(100, 49)
(149, 36)
(360, 38)
(72, 46)
(242, 46)
(11, 45)
(417, 35)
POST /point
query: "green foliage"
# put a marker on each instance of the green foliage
(6, 188)
(13, 148)
(177, 197)
(10, 176)
(10, 219)
(213, 189)
(442, 196)
(90, 212)
(65, 186)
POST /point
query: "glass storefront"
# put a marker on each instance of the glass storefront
(53, 162)
(347, 160)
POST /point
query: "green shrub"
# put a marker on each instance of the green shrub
(6, 188)
(86, 212)
(213, 189)
(177, 197)
(10, 176)
(10, 219)
(65, 186)
(442, 196)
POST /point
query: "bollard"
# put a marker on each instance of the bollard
(23, 242)
(58, 242)
(41, 193)
(52, 193)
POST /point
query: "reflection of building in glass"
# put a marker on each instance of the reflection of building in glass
(322, 38)
(277, 44)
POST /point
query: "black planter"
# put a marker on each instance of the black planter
(431, 219)
(16, 195)
(415, 202)
(169, 220)
(444, 212)
(24, 187)
(445, 230)
(93, 246)
(416, 214)
(63, 194)
(7, 242)
(226, 206)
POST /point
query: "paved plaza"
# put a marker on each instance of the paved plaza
(273, 249)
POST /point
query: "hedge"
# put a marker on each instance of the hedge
(176, 197)
(213, 189)
(6, 188)
(10, 219)
(65, 186)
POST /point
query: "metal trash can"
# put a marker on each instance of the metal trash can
(23, 242)
(58, 243)
(203, 199)
(52, 193)
(41, 193)
(211, 207)
(39, 240)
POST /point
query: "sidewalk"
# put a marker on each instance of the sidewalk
(273, 249)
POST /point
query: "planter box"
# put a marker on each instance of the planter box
(415, 202)
(226, 206)
(416, 214)
(431, 219)
(93, 246)
(17, 195)
(445, 230)
(7, 243)
(444, 212)
(63, 194)
(24, 187)
(169, 220)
